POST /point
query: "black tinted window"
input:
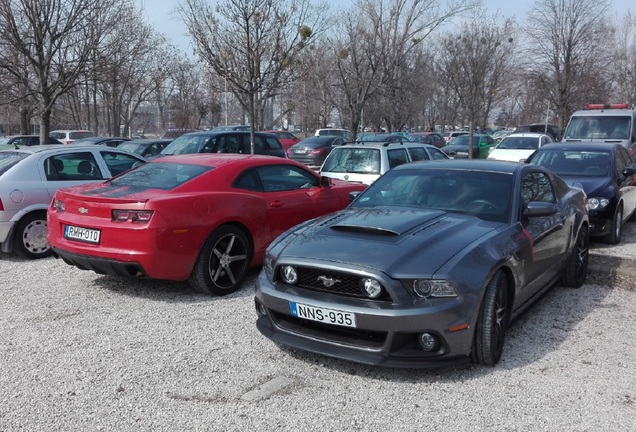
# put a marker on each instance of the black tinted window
(159, 175)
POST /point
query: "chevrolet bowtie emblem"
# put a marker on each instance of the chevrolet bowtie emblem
(82, 210)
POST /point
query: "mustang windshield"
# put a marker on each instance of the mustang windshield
(486, 195)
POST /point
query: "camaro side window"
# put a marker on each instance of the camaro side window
(283, 177)
(536, 186)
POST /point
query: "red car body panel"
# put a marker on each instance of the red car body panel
(287, 139)
(167, 246)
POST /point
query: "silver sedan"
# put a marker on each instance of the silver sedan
(29, 177)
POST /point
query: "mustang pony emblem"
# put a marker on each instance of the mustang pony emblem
(327, 281)
(82, 210)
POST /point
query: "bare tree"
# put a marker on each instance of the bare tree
(253, 44)
(568, 52)
(477, 62)
(624, 62)
(377, 44)
(54, 40)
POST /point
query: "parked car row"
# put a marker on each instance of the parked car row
(388, 254)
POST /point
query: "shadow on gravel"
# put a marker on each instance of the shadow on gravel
(152, 289)
(168, 291)
(540, 330)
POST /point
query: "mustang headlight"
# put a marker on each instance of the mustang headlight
(597, 203)
(426, 288)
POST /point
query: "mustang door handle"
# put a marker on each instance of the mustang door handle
(276, 204)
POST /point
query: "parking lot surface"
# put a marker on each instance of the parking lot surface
(80, 351)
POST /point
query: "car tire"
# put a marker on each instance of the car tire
(616, 230)
(30, 239)
(575, 272)
(492, 322)
(222, 262)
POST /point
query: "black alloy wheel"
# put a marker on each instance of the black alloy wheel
(575, 272)
(222, 262)
(492, 322)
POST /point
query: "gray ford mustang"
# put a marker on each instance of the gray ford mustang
(427, 267)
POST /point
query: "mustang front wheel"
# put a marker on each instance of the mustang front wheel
(222, 262)
(575, 272)
(492, 322)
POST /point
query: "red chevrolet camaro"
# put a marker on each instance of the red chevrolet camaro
(205, 218)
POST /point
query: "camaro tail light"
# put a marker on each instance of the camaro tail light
(58, 205)
(140, 216)
(1, 206)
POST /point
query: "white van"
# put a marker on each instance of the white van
(614, 123)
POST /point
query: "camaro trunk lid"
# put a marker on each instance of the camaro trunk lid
(414, 240)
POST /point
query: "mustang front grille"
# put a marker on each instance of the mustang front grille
(333, 282)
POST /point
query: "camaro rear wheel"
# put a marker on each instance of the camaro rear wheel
(575, 272)
(30, 237)
(492, 322)
(616, 230)
(222, 263)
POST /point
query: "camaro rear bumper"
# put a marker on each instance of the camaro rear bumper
(101, 265)
(382, 336)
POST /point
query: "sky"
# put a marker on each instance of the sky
(161, 14)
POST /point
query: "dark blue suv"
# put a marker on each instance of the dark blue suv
(225, 142)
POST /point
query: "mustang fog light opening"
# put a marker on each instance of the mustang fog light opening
(260, 308)
(427, 342)
(289, 274)
(371, 287)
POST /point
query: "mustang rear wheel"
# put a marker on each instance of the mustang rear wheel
(222, 263)
(575, 272)
(30, 237)
(492, 322)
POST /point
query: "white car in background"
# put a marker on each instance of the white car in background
(517, 147)
(29, 177)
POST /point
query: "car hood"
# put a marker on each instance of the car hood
(397, 242)
(513, 155)
(457, 147)
(591, 185)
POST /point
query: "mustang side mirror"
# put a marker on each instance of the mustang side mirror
(537, 209)
(629, 171)
(353, 195)
(325, 182)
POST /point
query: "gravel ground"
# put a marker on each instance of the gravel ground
(80, 351)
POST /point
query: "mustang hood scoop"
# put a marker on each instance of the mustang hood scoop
(397, 241)
(394, 223)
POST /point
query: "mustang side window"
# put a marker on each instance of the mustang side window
(536, 186)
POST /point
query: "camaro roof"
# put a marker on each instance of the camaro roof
(219, 159)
